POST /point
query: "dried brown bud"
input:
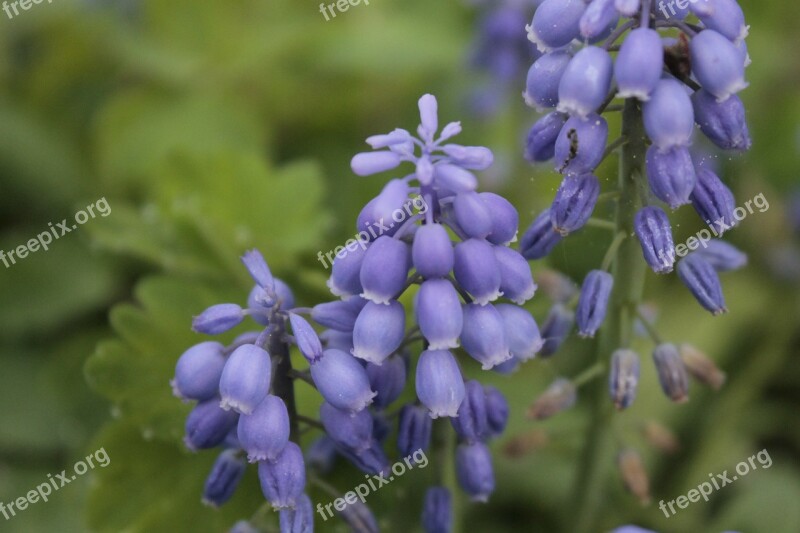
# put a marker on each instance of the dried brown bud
(526, 443)
(701, 367)
(634, 476)
(660, 437)
(559, 396)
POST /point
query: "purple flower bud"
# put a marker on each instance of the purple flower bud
(218, 319)
(472, 215)
(283, 480)
(385, 269)
(717, 64)
(245, 379)
(555, 23)
(544, 76)
(623, 378)
(516, 281)
(655, 236)
(556, 328)
(439, 315)
(432, 251)
(373, 460)
(429, 120)
(198, 371)
(397, 136)
(671, 174)
(668, 115)
(639, 63)
(474, 470)
(671, 372)
(455, 178)
(359, 518)
(522, 333)
(484, 336)
(703, 282)
(472, 424)
(342, 381)
(414, 429)
(368, 163)
(439, 384)
(300, 519)
(477, 271)
(306, 338)
(345, 277)
(723, 16)
(585, 82)
(505, 218)
(713, 201)
(469, 157)
(540, 238)
(224, 477)
(257, 266)
(256, 300)
(627, 8)
(496, 411)
(574, 203)
(379, 331)
(559, 396)
(593, 302)
(723, 123)
(264, 433)
(580, 145)
(339, 315)
(599, 15)
(351, 431)
(541, 142)
(377, 214)
(387, 380)
(208, 425)
(437, 511)
(722, 255)
(321, 454)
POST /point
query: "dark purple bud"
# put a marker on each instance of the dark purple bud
(516, 281)
(655, 236)
(377, 214)
(208, 425)
(585, 82)
(472, 215)
(717, 64)
(264, 433)
(432, 251)
(556, 329)
(307, 340)
(342, 381)
(283, 480)
(224, 477)
(714, 201)
(623, 379)
(555, 23)
(722, 255)
(414, 429)
(559, 396)
(387, 380)
(245, 379)
(437, 511)
(321, 454)
(581, 144)
(496, 411)
(723, 123)
(368, 163)
(351, 431)
(671, 372)
(639, 64)
(668, 115)
(540, 238)
(543, 78)
(373, 460)
(541, 142)
(723, 16)
(574, 203)
(593, 302)
(671, 174)
(258, 269)
(439, 315)
(505, 218)
(385, 269)
(218, 319)
(339, 315)
(522, 333)
(599, 15)
(477, 271)
(379, 331)
(483, 336)
(703, 282)
(472, 424)
(345, 277)
(198, 371)
(474, 471)
(439, 384)
(300, 519)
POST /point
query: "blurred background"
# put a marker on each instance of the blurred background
(212, 127)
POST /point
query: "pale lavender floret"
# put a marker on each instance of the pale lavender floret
(723, 256)
(470, 157)
(387, 380)
(264, 433)
(472, 215)
(668, 115)
(385, 270)
(258, 269)
(541, 90)
(429, 121)
(245, 379)
(376, 217)
(497, 411)
(540, 145)
(723, 16)
(483, 336)
(256, 299)
(505, 219)
(474, 471)
(623, 379)
(522, 332)
(574, 203)
(397, 136)
(477, 271)
(580, 145)
(627, 8)
(703, 282)
(672, 373)
(208, 425)
(556, 329)
(585, 82)
(351, 431)
(593, 302)
(455, 178)
(639, 64)
(717, 64)
(300, 519)
(714, 201)
(723, 123)
(540, 238)
(472, 422)
(306, 338)
(598, 17)
(432, 252)
(555, 23)
(224, 478)
(345, 279)
(439, 384)
(283, 480)
(368, 163)
(339, 315)
(218, 319)
(342, 381)
(671, 174)
(198, 371)
(437, 511)
(655, 236)
(439, 316)
(516, 281)
(379, 331)
(414, 428)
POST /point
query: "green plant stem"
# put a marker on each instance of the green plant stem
(628, 268)
(444, 448)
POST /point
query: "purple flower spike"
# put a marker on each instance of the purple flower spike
(655, 235)
(702, 281)
(639, 64)
(264, 433)
(439, 384)
(585, 82)
(387, 380)
(345, 277)
(474, 471)
(671, 174)
(723, 16)
(368, 163)
(432, 251)
(574, 203)
(668, 115)
(414, 429)
(224, 478)
(497, 411)
(439, 315)
(581, 144)
(723, 123)
(556, 329)
(342, 381)
(379, 331)
(198, 371)
(623, 379)
(245, 379)
(541, 91)
(541, 142)
(306, 338)
(599, 15)
(505, 219)
(351, 431)
(522, 332)
(516, 281)
(484, 336)
(714, 201)
(218, 319)
(437, 511)
(671, 372)
(627, 8)
(385, 269)
(717, 64)
(723, 256)
(297, 520)
(472, 422)
(472, 215)
(477, 271)
(593, 302)
(555, 23)
(208, 425)
(377, 214)
(283, 480)
(540, 238)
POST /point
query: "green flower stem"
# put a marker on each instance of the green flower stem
(444, 460)
(628, 268)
